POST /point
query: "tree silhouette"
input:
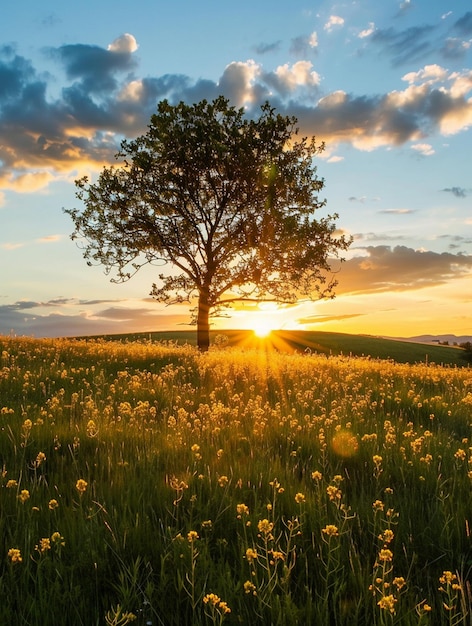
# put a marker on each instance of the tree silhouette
(227, 203)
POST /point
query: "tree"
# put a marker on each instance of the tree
(467, 347)
(226, 201)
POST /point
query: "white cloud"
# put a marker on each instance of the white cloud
(334, 20)
(334, 99)
(367, 31)
(456, 120)
(124, 43)
(429, 74)
(133, 91)
(49, 239)
(423, 148)
(11, 246)
(313, 40)
(409, 97)
(298, 75)
(461, 84)
(238, 79)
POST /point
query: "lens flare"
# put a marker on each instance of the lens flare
(345, 444)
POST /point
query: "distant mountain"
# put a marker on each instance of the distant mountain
(451, 339)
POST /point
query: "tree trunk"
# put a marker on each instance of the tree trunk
(203, 323)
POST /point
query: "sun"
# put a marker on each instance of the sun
(261, 330)
(265, 320)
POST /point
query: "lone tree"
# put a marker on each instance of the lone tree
(227, 202)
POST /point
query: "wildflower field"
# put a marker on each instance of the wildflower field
(147, 483)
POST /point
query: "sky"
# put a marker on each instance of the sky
(386, 85)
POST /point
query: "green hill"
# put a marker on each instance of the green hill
(320, 342)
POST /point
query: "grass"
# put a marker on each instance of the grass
(144, 482)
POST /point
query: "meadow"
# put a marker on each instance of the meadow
(146, 483)
(316, 342)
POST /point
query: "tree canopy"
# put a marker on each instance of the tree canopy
(226, 202)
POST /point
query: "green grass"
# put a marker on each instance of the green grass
(148, 480)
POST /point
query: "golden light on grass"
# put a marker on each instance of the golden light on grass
(314, 414)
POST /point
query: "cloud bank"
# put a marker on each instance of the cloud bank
(377, 269)
(104, 99)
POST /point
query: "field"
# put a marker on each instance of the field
(146, 483)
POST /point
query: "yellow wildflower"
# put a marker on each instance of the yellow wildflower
(223, 481)
(387, 603)
(333, 493)
(242, 509)
(249, 587)
(40, 458)
(385, 555)
(23, 495)
(11, 484)
(44, 545)
(81, 486)
(264, 526)
(192, 536)
(211, 598)
(223, 608)
(92, 429)
(378, 505)
(251, 555)
(316, 475)
(300, 498)
(15, 555)
(53, 504)
(399, 582)
(331, 530)
(58, 539)
(386, 536)
(447, 577)
(27, 425)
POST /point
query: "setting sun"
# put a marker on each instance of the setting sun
(261, 330)
(265, 320)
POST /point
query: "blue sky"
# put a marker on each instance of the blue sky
(386, 85)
